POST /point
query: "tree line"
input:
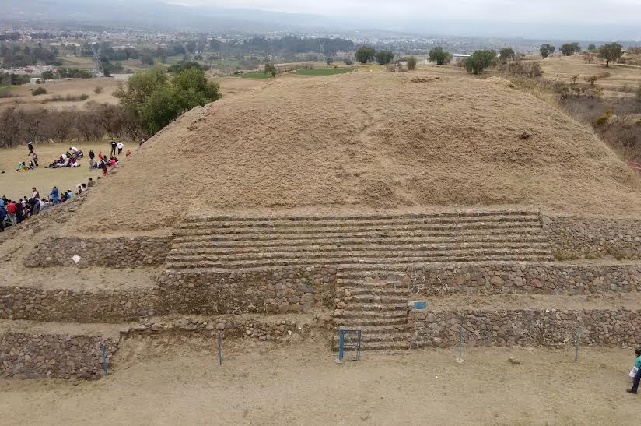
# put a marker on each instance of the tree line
(16, 56)
(609, 52)
(19, 126)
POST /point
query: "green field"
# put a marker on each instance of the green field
(324, 71)
(5, 88)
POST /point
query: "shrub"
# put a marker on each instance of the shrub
(97, 90)
(84, 97)
(39, 91)
(638, 93)
(440, 56)
(365, 54)
(348, 62)
(603, 118)
(480, 60)
(154, 99)
(610, 52)
(411, 63)
(270, 69)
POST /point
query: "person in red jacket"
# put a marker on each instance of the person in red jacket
(12, 210)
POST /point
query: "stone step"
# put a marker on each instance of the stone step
(377, 307)
(385, 293)
(382, 252)
(380, 329)
(289, 219)
(258, 232)
(363, 238)
(376, 337)
(370, 314)
(375, 245)
(344, 260)
(370, 321)
(370, 297)
(30, 349)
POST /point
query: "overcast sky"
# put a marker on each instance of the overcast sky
(571, 11)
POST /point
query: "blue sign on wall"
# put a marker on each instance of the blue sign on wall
(419, 304)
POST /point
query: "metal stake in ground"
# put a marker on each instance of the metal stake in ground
(220, 347)
(459, 359)
(103, 353)
(578, 341)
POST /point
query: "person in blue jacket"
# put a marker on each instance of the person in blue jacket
(637, 378)
(55, 195)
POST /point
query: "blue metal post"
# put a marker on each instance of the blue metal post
(220, 348)
(341, 344)
(103, 352)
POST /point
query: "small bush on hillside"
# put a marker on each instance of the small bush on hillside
(480, 60)
(39, 91)
(348, 62)
(270, 69)
(440, 56)
(604, 118)
(97, 90)
(520, 68)
(591, 79)
(84, 97)
(638, 93)
(411, 63)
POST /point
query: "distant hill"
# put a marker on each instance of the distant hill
(159, 14)
(154, 14)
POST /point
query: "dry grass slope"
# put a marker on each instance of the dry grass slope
(366, 140)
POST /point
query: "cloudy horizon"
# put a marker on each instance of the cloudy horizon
(562, 11)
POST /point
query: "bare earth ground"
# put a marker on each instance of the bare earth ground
(301, 384)
(367, 141)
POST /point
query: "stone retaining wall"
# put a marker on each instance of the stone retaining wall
(264, 328)
(76, 306)
(31, 356)
(523, 278)
(108, 252)
(526, 327)
(263, 291)
(582, 238)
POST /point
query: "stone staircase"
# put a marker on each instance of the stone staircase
(237, 243)
(375, 303)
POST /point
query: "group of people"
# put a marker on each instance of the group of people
(23, 166)
(14, 212)
(71, 158)
(102, 161)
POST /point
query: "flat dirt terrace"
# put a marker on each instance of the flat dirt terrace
(302, 384)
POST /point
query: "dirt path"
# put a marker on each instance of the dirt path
(302, 384)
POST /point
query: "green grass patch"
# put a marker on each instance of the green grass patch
(321, 72)
(256, 75)
(5, 88)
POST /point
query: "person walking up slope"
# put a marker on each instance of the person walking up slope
(637, 377)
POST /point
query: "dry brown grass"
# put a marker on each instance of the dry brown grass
(623, 79)
(22, 96)
(367, 141)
